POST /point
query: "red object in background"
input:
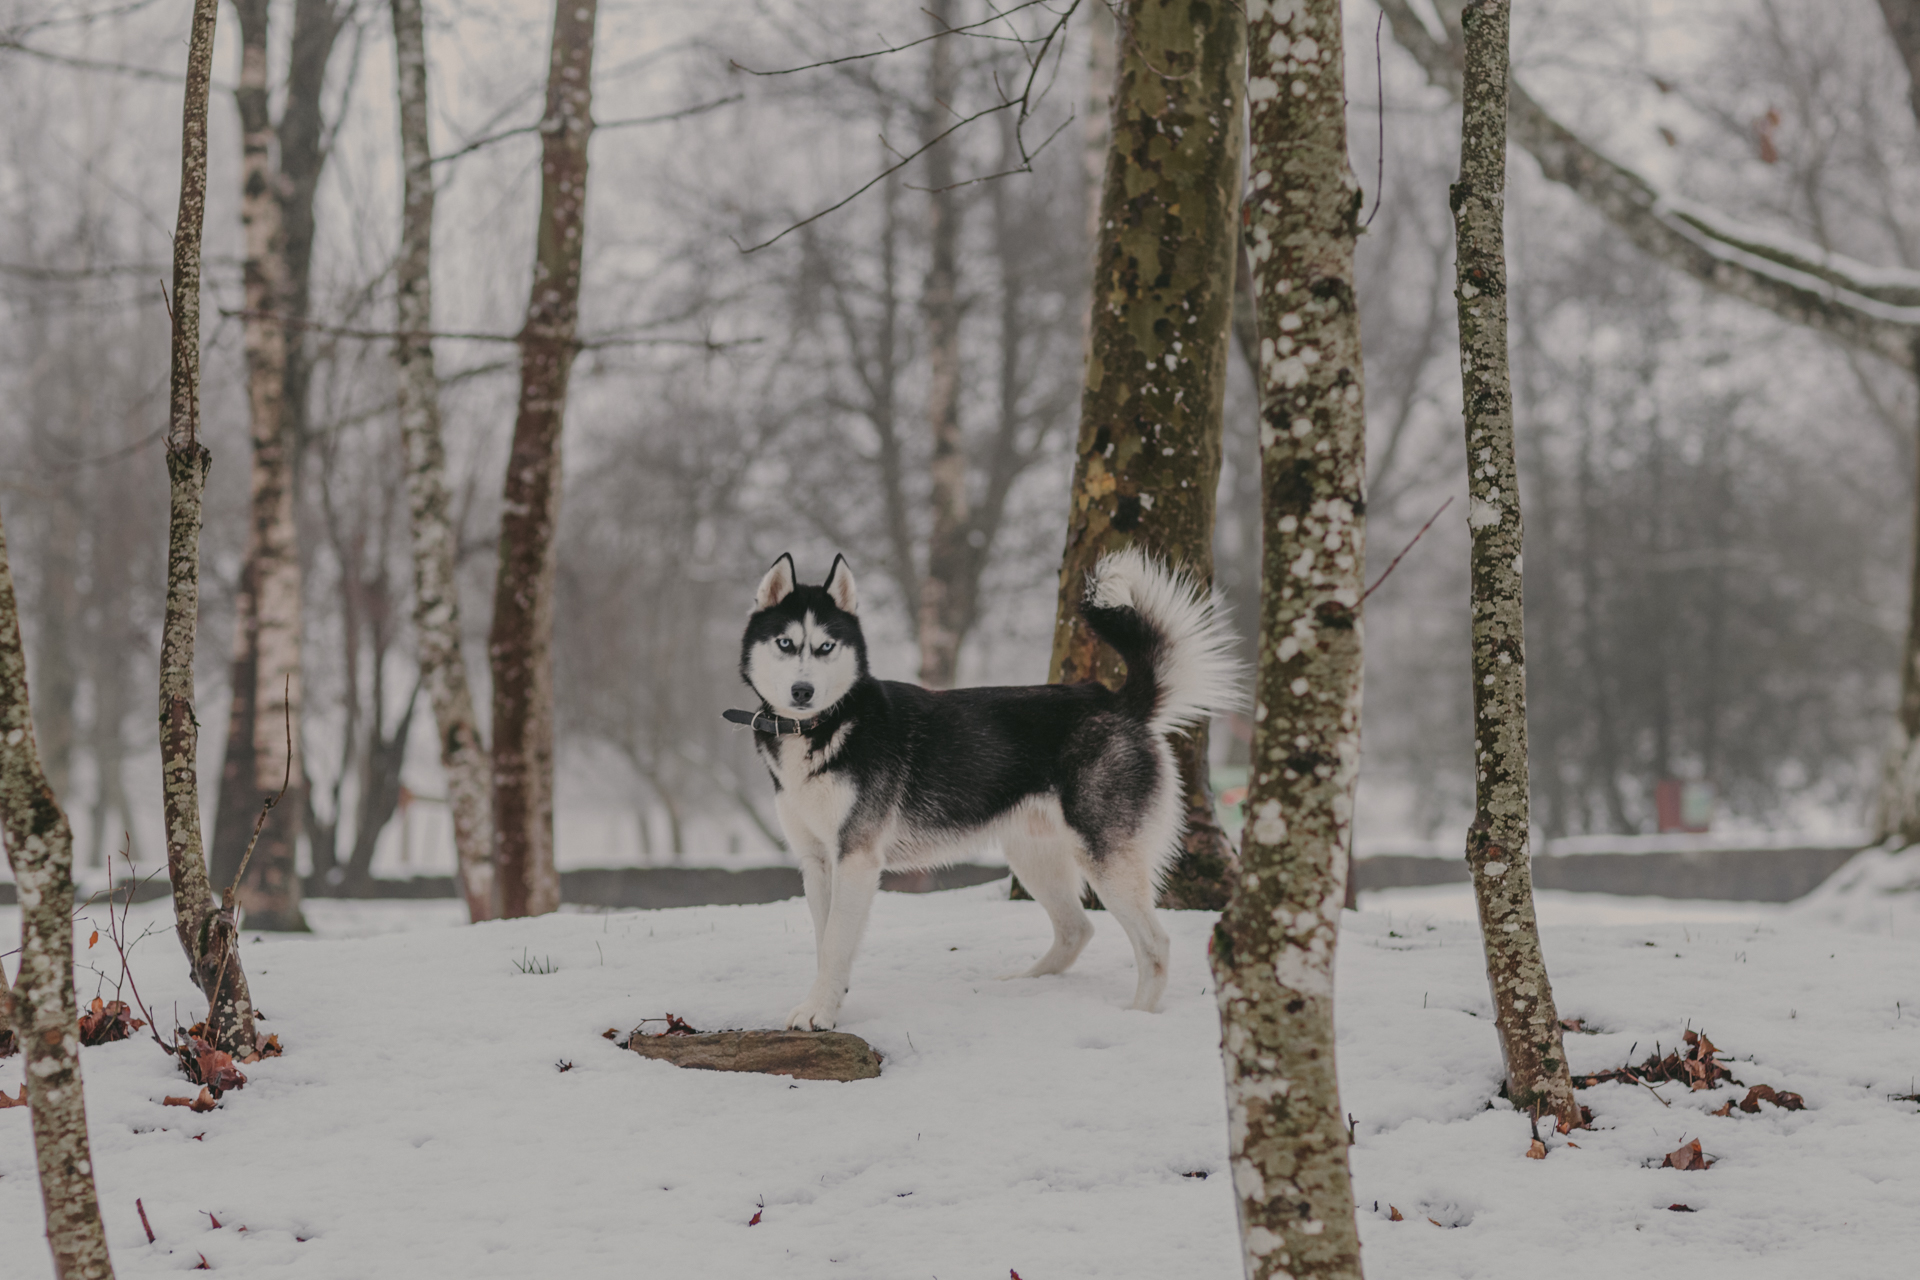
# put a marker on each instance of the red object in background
(1683, 806)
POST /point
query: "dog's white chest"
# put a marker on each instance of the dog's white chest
(816, 802)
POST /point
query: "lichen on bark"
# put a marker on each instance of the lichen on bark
(206, 930)
(1497, 845)
(1273, 951)
(1147, 465)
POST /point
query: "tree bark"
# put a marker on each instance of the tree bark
(40, 849)
(206, 929)
(1898, 812)
(436, 585)
(1147, 463)
(944, 606)
(266, 654)
(520, 643)
(1273, 950)
(1497, 845)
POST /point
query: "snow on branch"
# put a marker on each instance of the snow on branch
(1872, 309)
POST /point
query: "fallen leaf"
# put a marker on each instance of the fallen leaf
(1682, 1208)
(174, 1100)
(212, 1219)
(1434, 1221)
(1726, 1109)
(754, 1221)
(1536, 1150)
(1574, 1145)
(204, 1264)
(20, 1101)
(107, 1021)
(609, 1034)
(214, 1068)
(1767, 1093)
(1687, 1159)
(563, 1066)
(1394, 1215)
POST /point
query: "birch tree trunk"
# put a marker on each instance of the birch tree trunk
(266, 651)
(436, 586)
(1147, 463)
(944, 606)
(205, 929)
(1497, 844)
(40, 848)
(1273, 950)
(520, 643)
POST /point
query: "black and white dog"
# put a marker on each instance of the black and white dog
(1073, 781)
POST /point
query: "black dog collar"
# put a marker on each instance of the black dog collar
(778, 726)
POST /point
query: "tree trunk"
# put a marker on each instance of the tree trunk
(1497, 852)
(520, 643)
(436, 584)
(40, 848)
(1273, 950)
(944, 608)
(1148, 459)
(266, 662)
(1898, 813)
(206, 930)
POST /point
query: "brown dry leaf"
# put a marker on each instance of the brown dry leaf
(1687, 1159)
(1536, 1150)
(1394, 1215)
(1726, 1109)
(1767, 1093)
(1574, 1145)
(20, 1101)
(204, 1102)
(93, 939)
(212, 1067)
(270, 1047)
(1434, 1221)
(1681, 1208)
(175, 1100)
(107, 1021)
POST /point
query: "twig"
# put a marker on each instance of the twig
(143, 1219)
(1394, 563)
(696, 110)
(1380, 87)
(897, 48)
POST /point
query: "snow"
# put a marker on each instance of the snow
(417, 1124)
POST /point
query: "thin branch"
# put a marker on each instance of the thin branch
(428, 335)
(1395, 562)
(539, 126)
(901, 48)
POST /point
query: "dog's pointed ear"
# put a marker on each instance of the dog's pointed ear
(777, 585)
(846, 596)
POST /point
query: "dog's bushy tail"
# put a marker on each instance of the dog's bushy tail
(1179, 651)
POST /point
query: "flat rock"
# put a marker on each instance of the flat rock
(804, 1055)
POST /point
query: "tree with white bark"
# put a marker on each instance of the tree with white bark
(1273, 950)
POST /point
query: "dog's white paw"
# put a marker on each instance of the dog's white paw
(813, 1015)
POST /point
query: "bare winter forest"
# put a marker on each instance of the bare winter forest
(512, 342)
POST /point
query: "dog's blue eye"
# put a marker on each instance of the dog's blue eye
(824, 650)
(785, 645)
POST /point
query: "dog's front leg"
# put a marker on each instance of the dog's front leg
(856, 878)
(816, 877)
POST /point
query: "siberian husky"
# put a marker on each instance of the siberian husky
(1075, 782)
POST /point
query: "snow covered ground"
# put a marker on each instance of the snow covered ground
(418, 1126)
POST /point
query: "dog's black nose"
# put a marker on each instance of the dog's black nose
(802, 694)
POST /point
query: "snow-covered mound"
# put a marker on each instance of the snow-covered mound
(418, 1125)
(1878, 890)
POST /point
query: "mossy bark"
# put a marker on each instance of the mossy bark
(436, 586)
(1273, 951)
(204, 926)
(1497, 844)
(520, 644)
(40, 848)
(1147, 465)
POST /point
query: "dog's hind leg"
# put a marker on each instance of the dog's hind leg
(1046, 867)
(856, 878)
(1124, 879)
